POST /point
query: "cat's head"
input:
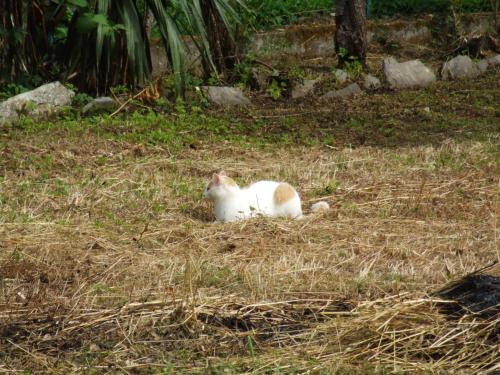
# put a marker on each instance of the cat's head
(220, 187)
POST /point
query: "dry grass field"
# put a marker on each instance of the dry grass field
(110, 262)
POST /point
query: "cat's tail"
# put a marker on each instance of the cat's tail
(320, 207)
(317, 207)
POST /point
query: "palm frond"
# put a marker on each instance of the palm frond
(171, 38)
(193, 12)
(139, 58)
(104, 42)
(102, 8)
(108, 44)
(228, 13)
(219, 15)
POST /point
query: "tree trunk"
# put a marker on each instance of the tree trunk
(222, 46)
(350, 35)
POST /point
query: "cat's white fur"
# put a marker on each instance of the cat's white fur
(263, 198)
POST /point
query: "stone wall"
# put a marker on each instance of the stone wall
(317, 40)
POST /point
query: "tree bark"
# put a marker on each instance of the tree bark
(350, 35)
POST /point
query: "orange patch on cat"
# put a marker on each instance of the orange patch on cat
(283, 193)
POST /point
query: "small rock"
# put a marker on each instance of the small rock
(459, 67)
(36, 103)
(494, 61)
(350, 90)
(341, 76)
(102, 104)
(304, 88)
(409, 74)
(482, 66)
(226, 96)
(372, 82)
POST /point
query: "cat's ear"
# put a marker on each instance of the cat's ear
(223, 173)
(216, 179)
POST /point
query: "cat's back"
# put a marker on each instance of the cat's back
(260, 195)
(269, 194)
(263, 187)
(271, 188)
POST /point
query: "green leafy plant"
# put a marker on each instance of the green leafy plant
(81, 98)
(352, 65)
(276, 88)
(273, 13)
(213, 80)
(243, 71)
(12, 89)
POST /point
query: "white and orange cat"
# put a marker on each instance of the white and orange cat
(263, 198)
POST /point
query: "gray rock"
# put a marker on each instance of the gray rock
(482, 66)
(304, 88)
(226, 96)
(102, 104)
(351, 90)
(341, 76)
(459, 67)
(37, 103)
(494, 61)
(372, 82)
(409, 74)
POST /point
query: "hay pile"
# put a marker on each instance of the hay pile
(397, 333)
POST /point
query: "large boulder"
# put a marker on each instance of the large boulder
(351, 90)
(409, 74)
(37, 103)
(226, 96)
(460, 67)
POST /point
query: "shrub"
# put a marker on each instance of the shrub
(273, 13)
(397, 7)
